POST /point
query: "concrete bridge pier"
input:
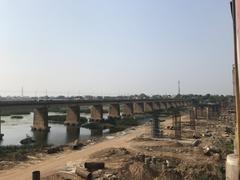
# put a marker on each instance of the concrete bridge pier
(195, 112)
(138, 108)
(1, 135)
(178, 104)
(128, 110)
(156, 106)
(162, 106)
(167, 105)
(114, 111)
(73, 116)
(209, 113)
(148, 107)
(73, 133)
(173, 105)
(40, 119)
(96, 113)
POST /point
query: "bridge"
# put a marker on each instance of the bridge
(129, 108)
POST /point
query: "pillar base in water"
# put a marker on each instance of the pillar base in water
(1, 136)
(232, 167)
(40, 129)
(68, 123)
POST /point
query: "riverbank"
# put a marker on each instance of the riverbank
(51, 163)
(17, 154)
(123, 154)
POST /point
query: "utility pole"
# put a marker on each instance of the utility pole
(237, 98)
(233, 160)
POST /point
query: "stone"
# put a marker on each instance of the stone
(207, 151)
(207, 134)
(216, 156)
(147, 161)
(76, 145)
(196, 142)
(196, 135)
(54, 149)
(83, 173)
(215, 149)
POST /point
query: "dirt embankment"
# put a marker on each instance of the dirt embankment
(133, 154)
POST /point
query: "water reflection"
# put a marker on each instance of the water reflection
(41, 137)
(72, 133)
(96, 132)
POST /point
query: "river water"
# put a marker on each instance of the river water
(15, 130)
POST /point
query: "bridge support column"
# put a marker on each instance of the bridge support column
(163, 106)
(156, 106)
(1, 135)
(114, 111)
(73, 133)
(173, 104)
(167, 105)
(138, 108)
(40, 119)
(195, 113)
(128, 110)
(73, 116)
(148, 107)
(177, 104)
(96, 113)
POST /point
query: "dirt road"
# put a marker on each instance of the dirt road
(57, 162)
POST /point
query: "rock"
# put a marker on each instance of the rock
(228, 130)
(170, 164)
(140, 157)
(196, 143)
(54, 149)
(83, 173)
(16, 117)
(27, 140)
(154, 160)
(93, 166)
(207, 151)
(210, 150)
(196, 135)
(97, 174)
(110, 137)
(108, 175)
(207, 134)
(214, 149)
(76, 145)
(147, 161)
(207, 131)
(216, 156)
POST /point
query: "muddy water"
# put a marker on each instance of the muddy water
(15, 130)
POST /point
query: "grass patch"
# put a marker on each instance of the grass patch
(18, 153)
(113, 124)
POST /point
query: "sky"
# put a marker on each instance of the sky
(115, 47)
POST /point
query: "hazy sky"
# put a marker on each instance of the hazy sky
(113, 47)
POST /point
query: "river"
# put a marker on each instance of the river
(15, 130)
